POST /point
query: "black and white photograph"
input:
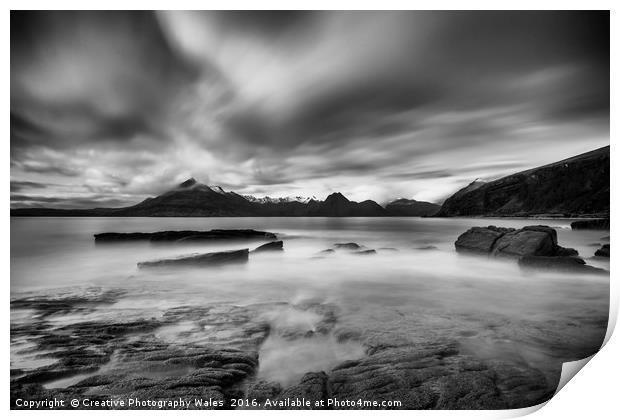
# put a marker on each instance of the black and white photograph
(306, 209)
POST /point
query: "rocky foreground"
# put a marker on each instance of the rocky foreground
(217, 359)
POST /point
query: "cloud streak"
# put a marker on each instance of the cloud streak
(374, 104)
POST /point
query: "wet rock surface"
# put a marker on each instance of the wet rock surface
(208, 259)
(185, 235)
(213, 352)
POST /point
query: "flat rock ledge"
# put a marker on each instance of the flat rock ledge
(185, 235)
(270, 246)
(535, 247)
(208, 259)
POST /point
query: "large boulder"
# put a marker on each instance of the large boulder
(536, 247)
(524, 242)
(208, 259)
(480, 240)
(509, 242)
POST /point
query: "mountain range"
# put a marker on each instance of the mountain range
(193, 199)
(578, 186)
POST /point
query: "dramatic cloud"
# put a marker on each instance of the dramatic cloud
(111, 107)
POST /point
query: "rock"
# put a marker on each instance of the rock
(535, 246)
(603, 251)
(594, 224)
(208, 259)
(545, 229)
(427, 248)
(566, 252)
(327, 251)
(270, 246)
(263, 390)
(348, 245)
(132, 359)
(524, 242)
(480, 240)
(69, 303)
(435, 375)
(509, 242)
(558, 264)
(312, 388)
(365, 252)
(185, 235)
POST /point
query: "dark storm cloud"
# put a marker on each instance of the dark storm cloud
(79, 77)
(377, 104)
(17, 186)
(470, 60)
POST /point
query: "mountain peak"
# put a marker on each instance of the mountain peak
(336, 197)
(188, 183)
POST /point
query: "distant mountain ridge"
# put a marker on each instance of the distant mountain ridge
(575, 186)
(193, 199)
(406, 207)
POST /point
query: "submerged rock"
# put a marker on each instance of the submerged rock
(559, 264)
(270, 246)
(595, 224)
(348, 245)
(208, 259)
(603, 251)
(427, 248)
(185, 235)
(365, 252)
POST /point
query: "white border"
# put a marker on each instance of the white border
(592, 395)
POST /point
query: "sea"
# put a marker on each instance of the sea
(415, 286)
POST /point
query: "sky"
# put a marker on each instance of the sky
(108, 108)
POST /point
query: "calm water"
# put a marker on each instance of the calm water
(494, 310)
